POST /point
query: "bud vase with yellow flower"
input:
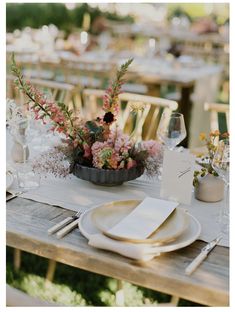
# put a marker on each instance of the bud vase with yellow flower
(209, 187)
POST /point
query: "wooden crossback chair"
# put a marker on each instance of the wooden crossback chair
(61, 92)
(215, 109)
(139, 114)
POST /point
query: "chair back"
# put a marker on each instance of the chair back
(215, 109)
(60, 92)
(139, 114)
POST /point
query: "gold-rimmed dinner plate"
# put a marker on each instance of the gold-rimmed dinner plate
(107, 215)
(192, 232)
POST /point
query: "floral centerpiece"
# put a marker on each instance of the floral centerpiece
(92, 145)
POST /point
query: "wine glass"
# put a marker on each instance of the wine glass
(220, 164)
(26, 178)
(171, 130)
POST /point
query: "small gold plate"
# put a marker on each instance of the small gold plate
(107, 215)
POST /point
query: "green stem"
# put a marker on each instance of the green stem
(41, 107)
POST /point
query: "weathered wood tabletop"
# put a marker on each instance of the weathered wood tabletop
(27, 225)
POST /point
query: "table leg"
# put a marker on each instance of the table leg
(17, 259)
(51, 270)
(185, 107)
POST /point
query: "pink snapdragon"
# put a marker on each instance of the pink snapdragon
(121, 142)
(104, 155)
(131, 163)
(87, 150)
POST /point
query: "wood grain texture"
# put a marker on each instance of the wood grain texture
(27, 224)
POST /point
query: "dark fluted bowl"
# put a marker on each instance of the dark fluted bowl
(107, 177)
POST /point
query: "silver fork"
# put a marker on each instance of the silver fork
(65, 226)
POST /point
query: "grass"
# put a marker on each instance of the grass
(75, 287)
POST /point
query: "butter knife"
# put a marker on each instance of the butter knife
(203, 254)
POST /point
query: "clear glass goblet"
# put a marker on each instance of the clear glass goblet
(171, 130)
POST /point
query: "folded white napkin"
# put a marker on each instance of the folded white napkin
(141, 252)
(145, 219)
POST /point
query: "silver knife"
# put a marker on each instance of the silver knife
(203, 254)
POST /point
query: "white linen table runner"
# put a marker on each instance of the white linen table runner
(75, 194)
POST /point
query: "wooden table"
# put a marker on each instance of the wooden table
(27, 224)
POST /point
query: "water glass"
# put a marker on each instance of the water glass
(27, 179)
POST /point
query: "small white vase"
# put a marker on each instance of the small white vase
(210, 189)
(17, 153)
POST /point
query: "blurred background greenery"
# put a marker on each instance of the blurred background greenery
(75, 287)
(35, 15)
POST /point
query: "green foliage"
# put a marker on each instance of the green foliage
(75, 287)
(94, 130)
(35, 15)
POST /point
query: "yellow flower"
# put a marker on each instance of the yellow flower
(202, 136)
(215, 133)
(136, 106)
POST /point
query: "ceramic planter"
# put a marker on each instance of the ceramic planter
(210, 189)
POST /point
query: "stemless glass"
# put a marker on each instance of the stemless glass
(220, 164)
(171, 130)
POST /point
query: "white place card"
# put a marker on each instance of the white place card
(144, 219)
(177, 176)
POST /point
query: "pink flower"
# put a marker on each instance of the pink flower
(104, 156)
(96, 150)
(131, 163)
(121, 142)
(87, 150)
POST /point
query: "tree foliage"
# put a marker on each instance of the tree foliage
(35, 15)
